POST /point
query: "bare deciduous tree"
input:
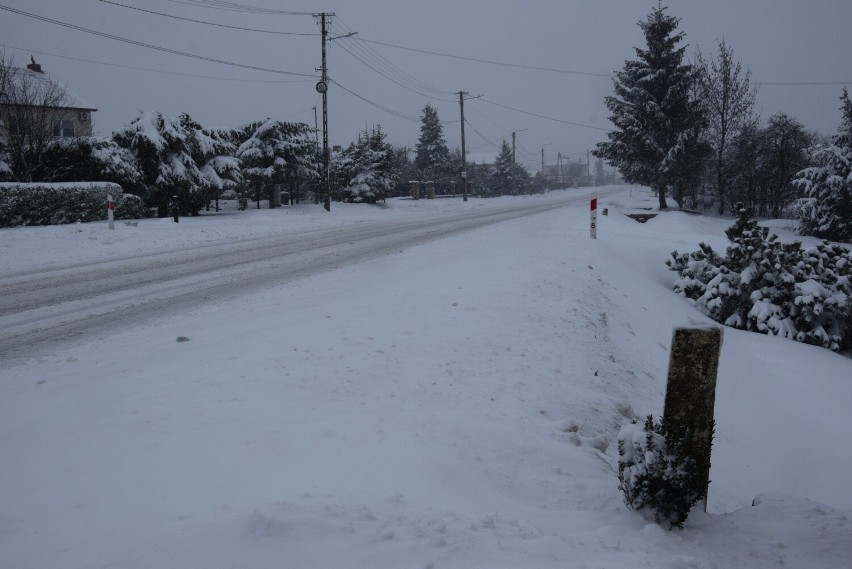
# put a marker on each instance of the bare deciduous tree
(728, 96)
(30, 105)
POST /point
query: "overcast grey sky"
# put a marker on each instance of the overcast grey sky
(780, 41)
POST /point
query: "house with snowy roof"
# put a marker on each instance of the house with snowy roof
(34, 108)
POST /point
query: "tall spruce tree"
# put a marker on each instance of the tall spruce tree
(657, 120)
(828, 186)
(433, 155)
(500, 179)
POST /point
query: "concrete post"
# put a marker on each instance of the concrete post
(691, 392)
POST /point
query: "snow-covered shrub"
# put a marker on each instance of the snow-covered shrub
(5, 163)
(696, 269)
(55, 204)
(767, 286)
(823, 301)
(656, 471)
(129, 206)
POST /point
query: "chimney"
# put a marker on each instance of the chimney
(34, 66)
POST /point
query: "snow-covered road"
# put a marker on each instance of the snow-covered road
(48, 306)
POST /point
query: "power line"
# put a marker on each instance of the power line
(207, 23)
(194, 76)
(234, 7)
(386, 76)
(150, 46)
(803, 83)
(488, 61)
(483, 115)
(368, 53)
(543, 116)
(473, 128)
(377, 105)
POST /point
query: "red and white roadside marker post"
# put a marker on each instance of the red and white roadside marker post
(110, 212)
(593, 228)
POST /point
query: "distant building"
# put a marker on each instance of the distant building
(33, 106)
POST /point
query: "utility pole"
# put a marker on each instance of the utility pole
(588, 167)
(514, 179)
(464, 156)
(514, 184)
(559, 175)
(322, 87)
(316, 130)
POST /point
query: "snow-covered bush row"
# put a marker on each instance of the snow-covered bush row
(656, 471)
(767, 286)
(54, 204)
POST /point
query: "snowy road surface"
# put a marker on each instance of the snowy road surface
(46, 307)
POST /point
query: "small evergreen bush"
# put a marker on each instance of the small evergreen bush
(656, 470)
(767, 286)
(129, 206)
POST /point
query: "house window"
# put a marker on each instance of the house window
(20, 126)
(64, 129)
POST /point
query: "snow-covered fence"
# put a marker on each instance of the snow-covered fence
(59, 203)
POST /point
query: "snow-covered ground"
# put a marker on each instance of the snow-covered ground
(449, 405)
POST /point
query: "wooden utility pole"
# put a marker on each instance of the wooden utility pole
(464, 156)
(514, 183)
(322, 87)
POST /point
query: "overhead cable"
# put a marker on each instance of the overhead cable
(483, 99)
(150, 46)
(374, 104)
(208, 23)
(179, 74)
(235, 7)
(488, 61)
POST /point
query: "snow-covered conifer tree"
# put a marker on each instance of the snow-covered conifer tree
(274, 152)
(214, 155)
(163, 155)
(90, 158)
(433, 155)
(656, 119)
(368, 166)
(828, 186)
(500, 178)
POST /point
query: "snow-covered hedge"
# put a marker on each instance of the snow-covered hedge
(770, 287)
(58, 203)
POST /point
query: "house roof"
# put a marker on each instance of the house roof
(44, 81)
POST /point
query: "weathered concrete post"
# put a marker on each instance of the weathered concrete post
(415, 189)
(430, 190)
(691, 393)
